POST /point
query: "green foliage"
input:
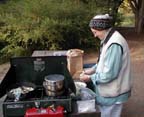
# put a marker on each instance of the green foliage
(28, 25)
(127, 17)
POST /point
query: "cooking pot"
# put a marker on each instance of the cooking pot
(53, 82)
(54, 93)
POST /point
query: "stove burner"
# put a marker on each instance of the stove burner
(38, 94)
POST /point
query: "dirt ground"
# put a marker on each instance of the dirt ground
(135, 106)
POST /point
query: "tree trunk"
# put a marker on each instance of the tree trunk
(116, 4)
(141, 19)
(140, 26)
(138, 10)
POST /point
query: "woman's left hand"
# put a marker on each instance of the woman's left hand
(84, 77)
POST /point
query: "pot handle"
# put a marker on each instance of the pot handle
(44, 84)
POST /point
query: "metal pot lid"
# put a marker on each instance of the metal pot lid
(54, 77)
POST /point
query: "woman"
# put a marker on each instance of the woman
(111, 75)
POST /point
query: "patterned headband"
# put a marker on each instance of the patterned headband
(101, 23)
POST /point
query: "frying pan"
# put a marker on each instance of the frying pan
(22, 88)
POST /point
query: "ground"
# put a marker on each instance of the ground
(135, 106)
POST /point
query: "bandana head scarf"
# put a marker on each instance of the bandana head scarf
(101, 22)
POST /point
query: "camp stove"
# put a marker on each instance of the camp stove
(34, 70)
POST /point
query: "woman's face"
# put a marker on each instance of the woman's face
(98, 33)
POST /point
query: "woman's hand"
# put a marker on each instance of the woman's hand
(89, 71)
(84, 77)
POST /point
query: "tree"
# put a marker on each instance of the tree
(114, 7)
(110, 6)
(138, 9)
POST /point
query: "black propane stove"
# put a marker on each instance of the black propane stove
(34, 69)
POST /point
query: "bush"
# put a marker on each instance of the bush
(28, 25)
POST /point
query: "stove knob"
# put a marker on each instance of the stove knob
(37, 104)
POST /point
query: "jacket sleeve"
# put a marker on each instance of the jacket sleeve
(112, 65)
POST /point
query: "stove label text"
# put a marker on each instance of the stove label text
(15, 106)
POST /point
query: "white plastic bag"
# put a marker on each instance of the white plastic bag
(85, 106)
(87, 94)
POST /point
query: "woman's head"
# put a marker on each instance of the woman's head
(101, 22)
(99, 25)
